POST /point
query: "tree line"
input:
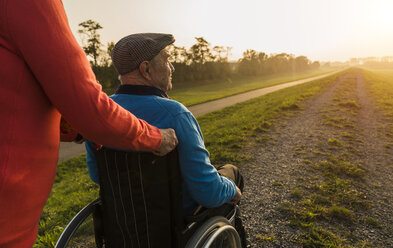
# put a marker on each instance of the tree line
(385, 62)
(200, 62)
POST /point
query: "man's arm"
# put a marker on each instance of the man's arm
(91, 161)
(202, 180)
(237, 197)
(40, 33)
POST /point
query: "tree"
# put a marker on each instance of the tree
(200, 52)
(302, 63)
(107, 58)
(315, 65)
(250, 64)
(221, 53)
(178, 55)
(91, 39)
(281, 62)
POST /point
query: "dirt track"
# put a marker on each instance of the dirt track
(279, 168)
(68, 150)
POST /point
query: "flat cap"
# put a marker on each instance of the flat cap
(132, 50)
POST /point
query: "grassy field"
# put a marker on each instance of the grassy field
(203, 92)
(226, 132)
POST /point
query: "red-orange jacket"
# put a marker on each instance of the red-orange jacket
(44, 72)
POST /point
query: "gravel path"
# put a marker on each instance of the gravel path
(378, 163)
(276, 171)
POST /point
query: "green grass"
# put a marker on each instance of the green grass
(226, 133)
(341, 213)
(319, 237)
(347, 135)
(278, 184)
(263, 139)
(349, 104)
(373, 222)
(339, 166)
(72, 190)
(203, 92)
(334, 142)
(265, 238)
(297, 193)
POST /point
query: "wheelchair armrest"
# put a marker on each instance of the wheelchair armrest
(75, 223)
(231, 215)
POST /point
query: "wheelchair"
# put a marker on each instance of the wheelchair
(148, 209)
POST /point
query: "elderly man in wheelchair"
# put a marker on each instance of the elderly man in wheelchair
(180, 200)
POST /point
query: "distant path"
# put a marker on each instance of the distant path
(207, 107)
(69, 150)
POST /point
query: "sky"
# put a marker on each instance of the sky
(329, 30)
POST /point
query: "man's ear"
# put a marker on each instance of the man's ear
(144, 70)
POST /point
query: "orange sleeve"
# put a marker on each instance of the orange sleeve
(41, 34)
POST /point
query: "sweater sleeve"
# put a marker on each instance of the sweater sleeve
(91, 161)
(202, 180)
(42, 37)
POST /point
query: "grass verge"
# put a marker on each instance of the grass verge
(203, 92)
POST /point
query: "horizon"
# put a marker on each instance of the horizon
(323, 31)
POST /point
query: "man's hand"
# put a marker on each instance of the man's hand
(168, 143)
(237, 197)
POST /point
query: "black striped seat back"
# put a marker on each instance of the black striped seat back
(141, 199)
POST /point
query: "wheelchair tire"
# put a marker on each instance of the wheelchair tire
(211, 230)
(76, 221)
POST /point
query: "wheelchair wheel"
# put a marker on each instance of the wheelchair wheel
(215, 232)
(78, 221)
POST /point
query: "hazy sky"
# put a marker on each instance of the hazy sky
(321, 30)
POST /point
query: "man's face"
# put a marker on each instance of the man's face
(161, 71)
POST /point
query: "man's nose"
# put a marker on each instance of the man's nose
(172, 68)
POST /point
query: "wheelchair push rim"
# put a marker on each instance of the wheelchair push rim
(211, 230)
